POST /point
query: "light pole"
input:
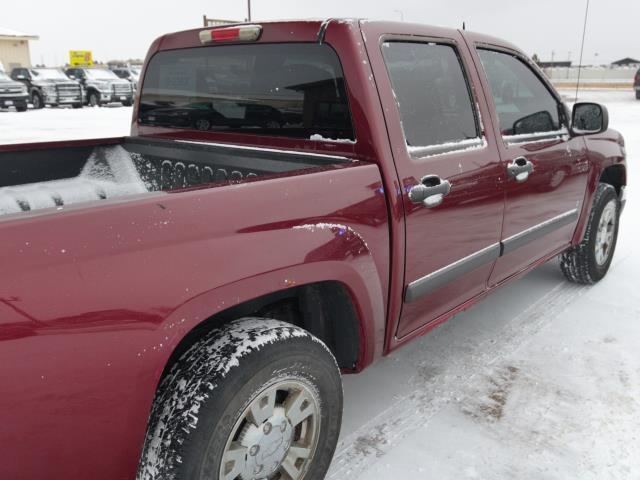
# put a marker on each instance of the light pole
(401, 15)
(249, 10)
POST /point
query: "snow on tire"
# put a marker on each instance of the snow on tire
(257, 398)
(588, 262)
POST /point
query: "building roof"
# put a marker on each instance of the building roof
(9, 33)
(626, 61)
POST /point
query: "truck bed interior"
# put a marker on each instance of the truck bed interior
(36, 179)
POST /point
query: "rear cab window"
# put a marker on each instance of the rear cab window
(294, 90)
(433, 96)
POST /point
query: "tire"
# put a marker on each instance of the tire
(77, 105)
(589, 262)
(127, 103)
(197, 416)
(637, 94)
(94, 100)
(21, 108)
(272, 125)
(202, 124)
(37, 101)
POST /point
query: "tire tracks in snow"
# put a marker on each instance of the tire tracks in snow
(442, 379)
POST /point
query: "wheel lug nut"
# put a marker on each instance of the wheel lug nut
(267, 428)
(253, 451)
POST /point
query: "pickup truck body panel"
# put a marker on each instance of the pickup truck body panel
(95, 298)
(83, 304)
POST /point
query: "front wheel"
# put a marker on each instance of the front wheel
(37, 101)
(94, 99)
(257, 399)
(589, 262)
(202, 124)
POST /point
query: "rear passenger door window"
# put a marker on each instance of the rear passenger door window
(433, 97)
(523, 103)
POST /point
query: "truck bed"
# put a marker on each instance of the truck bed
(55, 177)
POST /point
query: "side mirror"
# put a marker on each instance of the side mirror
(20, 77)
(72, 77)
(589, 118)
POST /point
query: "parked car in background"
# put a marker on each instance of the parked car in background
(132, 74)
(102, 86)
(12, 93)
(636, 84)
(221, 115)
(49, 86)
(180, 303)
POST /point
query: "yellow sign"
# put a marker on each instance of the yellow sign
(80, 58)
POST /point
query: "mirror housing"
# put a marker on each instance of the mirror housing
(20, 77)
(589, 118)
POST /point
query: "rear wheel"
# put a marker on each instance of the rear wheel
(257, 399)
(589, 262)
(77, 105)
(638, 94)
(21, 108)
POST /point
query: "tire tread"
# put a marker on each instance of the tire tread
(576, 262)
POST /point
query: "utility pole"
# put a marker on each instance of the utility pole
(249, 10)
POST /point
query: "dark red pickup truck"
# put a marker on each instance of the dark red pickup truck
(296, 200)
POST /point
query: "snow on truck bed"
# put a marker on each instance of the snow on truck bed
(108, 173)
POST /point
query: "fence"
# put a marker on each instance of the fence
(594, 77)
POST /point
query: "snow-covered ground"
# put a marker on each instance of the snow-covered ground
(539, 381)
(52, 124)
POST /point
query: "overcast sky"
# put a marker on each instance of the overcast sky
(120, 29)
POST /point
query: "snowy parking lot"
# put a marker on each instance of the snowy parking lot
(539, 381)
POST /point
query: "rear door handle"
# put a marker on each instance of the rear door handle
(430, 191)
(519, 169)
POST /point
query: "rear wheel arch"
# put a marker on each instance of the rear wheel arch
(325, 309)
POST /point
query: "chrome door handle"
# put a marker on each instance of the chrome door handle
(519, 169)
(430, 191)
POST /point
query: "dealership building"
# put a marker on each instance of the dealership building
(14, 48)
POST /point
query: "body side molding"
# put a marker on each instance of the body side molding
(448, 273)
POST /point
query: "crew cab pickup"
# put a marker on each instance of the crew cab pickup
(49, 86)
(180, 303)
(102, 86)
(12, 94)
